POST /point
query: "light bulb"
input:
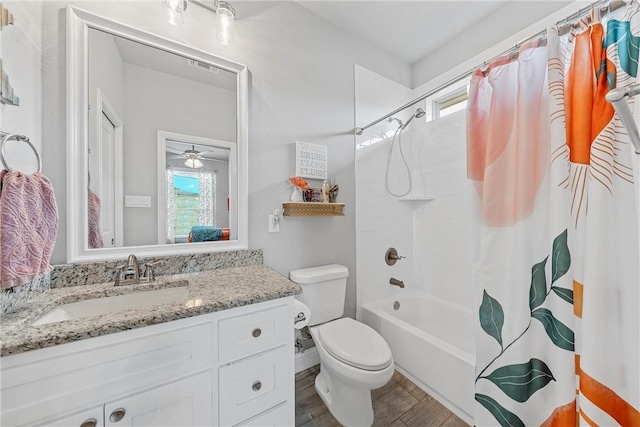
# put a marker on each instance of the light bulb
(193, 163)
(173, 11)
(224, 22)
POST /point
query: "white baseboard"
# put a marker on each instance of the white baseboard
(307, 359)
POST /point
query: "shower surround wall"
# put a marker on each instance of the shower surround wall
(382, 221)
(431, 227)
(434, 235)
(442, 226)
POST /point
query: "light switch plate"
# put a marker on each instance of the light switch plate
(137, 201)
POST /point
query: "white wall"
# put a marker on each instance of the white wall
(21, 53)
(182, 106)
(302, 88)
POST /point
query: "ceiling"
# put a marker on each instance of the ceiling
(411, 30)
(166, 62)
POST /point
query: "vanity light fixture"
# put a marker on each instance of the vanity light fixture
(173, 11)
(225, 16)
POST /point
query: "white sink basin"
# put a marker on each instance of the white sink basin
(98, 306)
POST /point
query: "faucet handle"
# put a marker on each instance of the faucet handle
(148, 269)
(119, 269)
(391, 256)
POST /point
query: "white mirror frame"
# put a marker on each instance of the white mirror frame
(78, 23)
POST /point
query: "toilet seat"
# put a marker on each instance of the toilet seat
(355, 344)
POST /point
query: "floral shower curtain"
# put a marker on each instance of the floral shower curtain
(556, 261)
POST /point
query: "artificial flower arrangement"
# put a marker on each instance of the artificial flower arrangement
(299, 182)
(301, 185)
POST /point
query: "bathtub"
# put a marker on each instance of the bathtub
(432, 344)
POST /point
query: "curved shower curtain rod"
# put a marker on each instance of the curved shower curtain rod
(617, 97)
(604, 5)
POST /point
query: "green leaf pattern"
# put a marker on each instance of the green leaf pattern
(538, 289)
(559, 333)
(565, 294)
(505, 417)
(560, 257)
(491, 317)
(520, 381)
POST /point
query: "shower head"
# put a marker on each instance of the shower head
(400, 124)
(419, 114)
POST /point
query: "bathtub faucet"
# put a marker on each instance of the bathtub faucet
(396, 282)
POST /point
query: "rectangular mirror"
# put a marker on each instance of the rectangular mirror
(157, 150)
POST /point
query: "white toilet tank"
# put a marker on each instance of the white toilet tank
(323, 290)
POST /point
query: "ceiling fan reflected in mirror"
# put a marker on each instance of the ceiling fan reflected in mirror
(193, 158)
(196, 156)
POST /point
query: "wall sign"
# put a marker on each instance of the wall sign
(311, 160)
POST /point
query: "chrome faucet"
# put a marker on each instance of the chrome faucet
(132, 269)
(396, 282)
(131, 274)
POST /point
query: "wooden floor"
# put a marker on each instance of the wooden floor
(400, 403)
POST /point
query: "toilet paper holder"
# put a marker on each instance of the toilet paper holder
(299, 318)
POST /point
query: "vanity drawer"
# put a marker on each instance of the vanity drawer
(280, 416)
(254, 385)
(248, 334)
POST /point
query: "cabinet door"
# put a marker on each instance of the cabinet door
(187, 402)
(89, 418)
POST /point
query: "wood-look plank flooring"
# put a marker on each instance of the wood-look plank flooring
(400, 403)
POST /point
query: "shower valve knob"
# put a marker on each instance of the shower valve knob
(391, 256)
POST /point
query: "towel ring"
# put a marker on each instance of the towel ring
(18, 138)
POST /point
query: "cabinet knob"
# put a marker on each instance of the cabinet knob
(256, 386)
(256, 332)
(91, 422)
(117, 415)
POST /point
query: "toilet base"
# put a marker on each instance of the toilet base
(351, 406)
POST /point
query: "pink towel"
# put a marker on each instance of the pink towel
(28, 227)
(95, 236)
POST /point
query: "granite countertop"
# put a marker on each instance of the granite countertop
(209, 291)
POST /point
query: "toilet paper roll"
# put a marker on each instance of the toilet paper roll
(301, 315)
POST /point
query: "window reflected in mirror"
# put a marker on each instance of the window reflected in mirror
(197, 192)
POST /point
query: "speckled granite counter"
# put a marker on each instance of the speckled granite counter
(209, 291)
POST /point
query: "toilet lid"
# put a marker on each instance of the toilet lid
(355, 344)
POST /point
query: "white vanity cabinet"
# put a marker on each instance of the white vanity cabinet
(228, 368)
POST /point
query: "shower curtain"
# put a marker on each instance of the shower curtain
(556, 258)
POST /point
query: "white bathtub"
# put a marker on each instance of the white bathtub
(431, 341)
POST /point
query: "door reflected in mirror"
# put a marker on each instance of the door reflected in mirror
(194, 204)
(161, 145)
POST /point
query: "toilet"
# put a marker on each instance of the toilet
(354, 358)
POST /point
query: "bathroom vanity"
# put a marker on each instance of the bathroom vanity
(219, 354)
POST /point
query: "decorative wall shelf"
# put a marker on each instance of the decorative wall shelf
(312, 209)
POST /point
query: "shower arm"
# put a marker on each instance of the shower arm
(617, 98)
